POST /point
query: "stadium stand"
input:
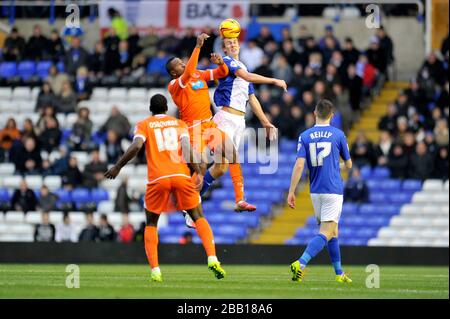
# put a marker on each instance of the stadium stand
(324, 67)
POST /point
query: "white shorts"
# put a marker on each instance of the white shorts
(233, 125)
(327, 207)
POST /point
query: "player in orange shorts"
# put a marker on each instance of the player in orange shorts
(168, 149)
(189, 91)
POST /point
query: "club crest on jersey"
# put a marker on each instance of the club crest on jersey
(197, 85)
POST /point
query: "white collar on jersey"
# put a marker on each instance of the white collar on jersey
(322, 125)
(160, 115)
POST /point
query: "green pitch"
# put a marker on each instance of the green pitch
(196, 281)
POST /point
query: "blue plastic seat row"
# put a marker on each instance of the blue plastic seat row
(394, 184)
(82, 195)
(378, 172)
(27, 69)
(391, 197)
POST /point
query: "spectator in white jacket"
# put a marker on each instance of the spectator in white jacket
(66, 232)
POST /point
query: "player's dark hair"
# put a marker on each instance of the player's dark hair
(324, 109)
(168, 68)
(158, 104)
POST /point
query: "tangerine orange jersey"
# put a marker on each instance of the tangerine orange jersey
(162, 134)
(190, 91)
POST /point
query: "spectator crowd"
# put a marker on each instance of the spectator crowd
(65, 231)
(414, 138)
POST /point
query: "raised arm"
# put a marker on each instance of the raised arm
(259, 79)
(295, 179)
(131, 152)
(271, 130)
(220, 72)
(191, 65)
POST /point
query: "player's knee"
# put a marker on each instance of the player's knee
(151, 219)
(327, 234)
(196, 213)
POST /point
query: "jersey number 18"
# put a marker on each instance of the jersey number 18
(166, 139)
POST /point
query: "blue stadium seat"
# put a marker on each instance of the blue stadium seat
(311, 221)
(368, 209)
(63, 196)
(412, 185)
(287, 146)
(60, 66)
(26, 69)
(81, 195)
(354, 221)
(174, 230)
(400, 197)
(366, 232)
(392, 209)
(374, 184)
(4, 195)
(307, 231)
(217, 218)
(366, 172)
(157, 66)
(8, 69)
(42, 68)
(377, 197)
(346, 231)
(380, 173)
(99, 195)
(237, 232)
(378, 221)
(176, 219)
(220, 194)
(391, 184)
(350, 208)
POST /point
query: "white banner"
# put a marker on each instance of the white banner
(139, 13)
(210, 13)
(182, 14)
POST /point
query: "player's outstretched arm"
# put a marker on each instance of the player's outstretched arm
(295, 179)
(259, 79)
(220, 72)
(271, 130)
(131, 152)
(191, 65)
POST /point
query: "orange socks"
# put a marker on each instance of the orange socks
(205, 233)
(151, 245)
(238, 181)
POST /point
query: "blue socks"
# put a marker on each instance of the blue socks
(207, 181)
(314, 247)
(335, 255)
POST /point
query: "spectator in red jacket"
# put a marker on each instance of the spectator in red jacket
(126, 232)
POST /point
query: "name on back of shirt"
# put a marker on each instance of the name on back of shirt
(320, 134)
(159, 124)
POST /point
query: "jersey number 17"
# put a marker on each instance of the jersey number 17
(317, 158)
